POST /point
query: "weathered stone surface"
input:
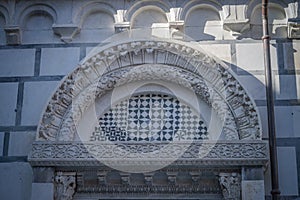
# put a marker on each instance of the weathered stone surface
(253, 190)
(17, 148)
(18, 176)
(36, 95)
(17, 62)
(59, 61)
(9, 92)
(43, 191)
(287, 170)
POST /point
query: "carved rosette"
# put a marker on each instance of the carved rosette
(174, 61)
(230, 185)
(65, 185)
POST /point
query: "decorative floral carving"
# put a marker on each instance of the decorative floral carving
(206, 153)
(230, 185)
(65, 184)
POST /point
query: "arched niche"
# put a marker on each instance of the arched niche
(163, 7)
(37, 19)
(190, 5)
(93, 8)
(277, 21)
(147, 17)
(96, 21)
(203, 22)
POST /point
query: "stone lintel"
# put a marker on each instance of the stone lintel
(238, 153)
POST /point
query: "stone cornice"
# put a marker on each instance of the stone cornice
(209, 153)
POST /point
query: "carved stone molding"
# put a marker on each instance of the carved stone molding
(130, 154)
(66, 31)
(167, 181)
(294, 29)
(121, 27)
(13, 35)
(120, 23)
(236, 27)
(230, 185)
(116, 62)
(65, 184)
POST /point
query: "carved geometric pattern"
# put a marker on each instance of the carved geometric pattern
(150, 117)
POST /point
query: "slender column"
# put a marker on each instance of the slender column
(270, 103)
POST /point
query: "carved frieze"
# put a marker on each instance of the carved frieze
(144, 153)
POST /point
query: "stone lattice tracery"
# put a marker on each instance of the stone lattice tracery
(150, 117)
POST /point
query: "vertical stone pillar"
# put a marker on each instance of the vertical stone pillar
(230, 185)
(42, 186)
(253, 184)
(65, 184)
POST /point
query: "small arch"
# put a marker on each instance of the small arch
(90, 9)
(131, 13)
(203, 22)
(98, 20)
(3, 22)
(37, 9)
(4, 14)
(254, 4)
(147, 16)
(191, 5)
(277, 21)
(38, 20)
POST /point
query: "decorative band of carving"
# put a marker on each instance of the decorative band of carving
(93, 154)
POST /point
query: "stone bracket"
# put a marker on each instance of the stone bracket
(65, 184)
(230, 185)
(13, 35)
(294, 29)
(236, 27)
(66, 31)
(122, 26)
(176, 29)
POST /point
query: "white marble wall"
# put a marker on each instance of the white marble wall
(30, 72)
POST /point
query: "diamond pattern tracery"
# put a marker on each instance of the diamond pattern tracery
(150, 117)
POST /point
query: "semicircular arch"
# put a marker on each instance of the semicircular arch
(127, 61)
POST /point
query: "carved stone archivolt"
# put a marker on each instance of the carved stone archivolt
(149, 60)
